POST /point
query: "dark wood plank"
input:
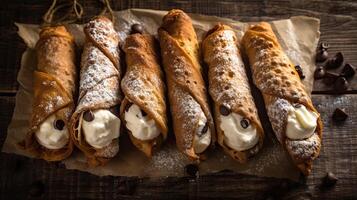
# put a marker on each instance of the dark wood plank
(338, 155)
(338, 24)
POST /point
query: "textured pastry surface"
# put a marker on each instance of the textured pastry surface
(54, 88)
(143, 85)
(228, 84)
(186, 87)
(275, 76)
(99, 84)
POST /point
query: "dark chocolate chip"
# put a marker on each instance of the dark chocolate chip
(143, 113)
(37, 188)
(321, 56)
(339, 115)
(137, 28)
(330, 179)
(244, 123)
(59, 124)
(335, 62)
(224, 110)
(330, 78)
(191, 169)
(348, 71)
(205, 128)
(324, 45)
(319, 73)
(341, 84)
(88, 116)
(127, 106)
(114, 110)
(297, 105)
(299, 71)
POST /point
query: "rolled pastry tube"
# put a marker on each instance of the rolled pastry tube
(295, 121)
(192, 120)
(239, 131)
(53, 101)
(143, 110)
(95, 125)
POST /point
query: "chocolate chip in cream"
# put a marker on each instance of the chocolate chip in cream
(244, 123)
(224, 110)
(59, 124)
(88, 116)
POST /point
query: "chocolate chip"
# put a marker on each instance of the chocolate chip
(37, 188)
(137, 28)
(319, 73)
(114, 110)
(59, 124)
(330, 179)
(205, 128)
(224, 110)
(191, 169)
(143, 113)
(335, 61)
(348, 71)
(324, 45)
(341, 84)
(299, 71)
(321, 56)
(244, 123)
(127, 106)
(330, 78)
(339, 115)
(297, 105)
(88, 116)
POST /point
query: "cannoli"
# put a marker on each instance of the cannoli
(54, 90)
(238, 126)
(143, 110)
(95, 125)
(295, 121)
(192, 120)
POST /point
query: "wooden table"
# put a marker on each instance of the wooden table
(22, 178)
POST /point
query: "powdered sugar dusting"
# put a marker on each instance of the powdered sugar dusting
(305, 149)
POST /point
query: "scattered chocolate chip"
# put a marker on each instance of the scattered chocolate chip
(297, 105)
(321, 56)
(143, 113)
(114, 110)
(335, 61)
(330, 78)
(299, 71)
(224, 110)
(339, 115)
(59, 124)
(319, 73)
(244, 123)
(341, 84)
(88, 116)
(330, 179)
(137, 28)
(205, 128)
(324, 45)
(127, 106)
(348, 71)
(36, 189)
(191, 169)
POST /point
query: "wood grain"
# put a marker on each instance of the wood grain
(338, 156)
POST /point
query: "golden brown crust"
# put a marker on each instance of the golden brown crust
(99, 84)
(228, 84)
(275, 76)
(143, 85)
(186, 87)
(54, 88)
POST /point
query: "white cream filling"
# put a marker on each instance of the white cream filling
(50, 137)
(301, 123)
(141, 127)
(102, 130)
(235, 136)
(201, 140)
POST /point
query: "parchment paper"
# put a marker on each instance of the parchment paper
(297, 35)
